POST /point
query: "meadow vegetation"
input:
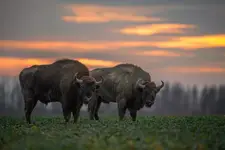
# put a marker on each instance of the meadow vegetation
(159, 133)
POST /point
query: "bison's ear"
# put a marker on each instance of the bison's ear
(140, 89)
(78, 84)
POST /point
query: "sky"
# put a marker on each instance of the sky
(176, 41)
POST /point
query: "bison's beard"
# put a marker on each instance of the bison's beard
(86, 101)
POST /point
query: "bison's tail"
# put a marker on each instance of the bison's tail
(21, 79)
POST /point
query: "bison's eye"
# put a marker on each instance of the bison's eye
(153, 97)
(82, 86)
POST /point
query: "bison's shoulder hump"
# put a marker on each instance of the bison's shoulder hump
(65, 61)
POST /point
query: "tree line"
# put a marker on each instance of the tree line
(173, 99)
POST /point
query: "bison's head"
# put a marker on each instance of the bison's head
(148, 92)
(87, 85)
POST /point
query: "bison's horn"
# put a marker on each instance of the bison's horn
(140, 85)
(160, 87)
(99, 82)
(78, 80)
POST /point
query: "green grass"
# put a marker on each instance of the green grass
(175, 133)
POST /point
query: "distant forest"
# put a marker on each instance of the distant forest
(173, 99)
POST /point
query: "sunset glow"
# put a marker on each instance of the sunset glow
(185, 43)
(12, 66)
(165, 39)
(194, 42)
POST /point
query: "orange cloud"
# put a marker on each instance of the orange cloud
(196, 69)
(12, 66)
(186, 43)
(52, 45)
(71, 46)
(156, 29)
(194, 42)
(87, 13)
(162, 53)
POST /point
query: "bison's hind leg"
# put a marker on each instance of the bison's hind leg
(66, 108)
(75, 115)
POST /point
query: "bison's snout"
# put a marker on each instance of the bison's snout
(87, 99)
(148, 104)
(88, 94)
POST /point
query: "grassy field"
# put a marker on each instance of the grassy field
(159, 133)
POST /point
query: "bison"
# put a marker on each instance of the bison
(127, 85)
(66, 81)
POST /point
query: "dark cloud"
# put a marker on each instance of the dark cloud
(25, 20)
(207, 18)
(112, 56)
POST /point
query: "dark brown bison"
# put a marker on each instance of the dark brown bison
(127, 85)
(66, 81)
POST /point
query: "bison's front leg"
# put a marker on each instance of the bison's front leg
(121, 108)
(76, 112)
(66, 111)
(133, 114)
(97, 108)
(66, 114)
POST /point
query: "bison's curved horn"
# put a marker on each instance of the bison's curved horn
(140, 85)
(160, 87)
(99, 82)
(78, 80)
